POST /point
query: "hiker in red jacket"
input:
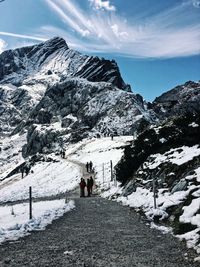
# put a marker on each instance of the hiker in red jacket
(82, 187)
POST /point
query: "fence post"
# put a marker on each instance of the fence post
(103, 174)
(154, 193)
(30, 202)
(115, 180)
(111, 170)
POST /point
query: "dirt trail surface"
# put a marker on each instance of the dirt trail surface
(97, 233)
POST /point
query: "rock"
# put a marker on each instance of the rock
(178, 101)
(180, 186)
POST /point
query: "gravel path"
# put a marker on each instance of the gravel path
(97, 233)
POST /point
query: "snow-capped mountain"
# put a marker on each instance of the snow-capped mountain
(53, 91)
(52, 60)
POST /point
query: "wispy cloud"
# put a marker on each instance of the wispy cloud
(65, 17)
(173, 32)
(100, 4)
(3, 45)
(23, 36)
(170, 33)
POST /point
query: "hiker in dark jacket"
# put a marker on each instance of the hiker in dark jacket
(87, 166)
(91, 184)
(88, 187)
(90, 164)
(82, 185)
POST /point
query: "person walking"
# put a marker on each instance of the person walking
(22, 172)
(88, 187)
(87, 166)
(90, 165)
(82, 185)
(91, 184)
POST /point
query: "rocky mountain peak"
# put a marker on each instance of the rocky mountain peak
(54, 57)
(57, 42)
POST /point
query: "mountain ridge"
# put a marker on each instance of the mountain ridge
(55, 57)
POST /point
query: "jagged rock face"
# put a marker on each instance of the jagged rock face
(53, 60)
(182, 99)
(16, 103)
(16, 65)
(85, 109)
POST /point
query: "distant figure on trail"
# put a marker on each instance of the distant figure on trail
(87, 166)
(112, 137)
(22, 171)
(90, 164)
(88, 187)
(82, 187)
(62, 153)
(91, 184)
(27, 169)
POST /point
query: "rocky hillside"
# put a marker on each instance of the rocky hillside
(164, 162)
(181, 99)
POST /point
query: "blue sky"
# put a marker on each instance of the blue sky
(156, 43)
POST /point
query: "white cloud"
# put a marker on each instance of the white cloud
(3, 45)
(100, 4)
(119, 34)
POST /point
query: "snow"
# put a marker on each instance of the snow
(191, 238)
(10, 154)
(163, 140)
(190, 213)
(101, 152)
(47, 179)
(193, 124)
(15, 222)
(197, 171)
(163, 229)
(176, 156)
